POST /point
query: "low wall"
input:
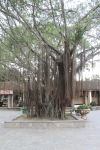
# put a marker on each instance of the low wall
(6, 108)
(97, 107)
(46, 124)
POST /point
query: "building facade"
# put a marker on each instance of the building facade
(11, 94)
(89, 92)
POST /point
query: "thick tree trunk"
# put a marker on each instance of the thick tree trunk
(54, 105)
(51, 101)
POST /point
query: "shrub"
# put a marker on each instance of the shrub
(83, 107)
(93, 103)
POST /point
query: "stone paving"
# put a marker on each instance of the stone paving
(86, 138)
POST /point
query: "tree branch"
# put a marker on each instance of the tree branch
(86, 60)
(93, 9)
(43, 39)
(55, 21)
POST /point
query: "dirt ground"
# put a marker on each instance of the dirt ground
(24, 118)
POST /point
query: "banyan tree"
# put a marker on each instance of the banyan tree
(50, 43)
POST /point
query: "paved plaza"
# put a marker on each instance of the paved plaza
(86, 138)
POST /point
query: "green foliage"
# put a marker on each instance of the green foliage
(79, 32)
(45, 24)
(71, 37)
(11, 74)
(83, 107)
(67, 114)
(93, 103)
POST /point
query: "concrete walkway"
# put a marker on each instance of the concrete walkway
(86, 138)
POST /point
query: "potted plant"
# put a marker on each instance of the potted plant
(83, 110)
(93, 105)
(24, 111)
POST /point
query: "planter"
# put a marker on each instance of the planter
(93, 105)
(24, 111)
(83, 113)
(77, 112)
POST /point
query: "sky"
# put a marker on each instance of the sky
(91, 72)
